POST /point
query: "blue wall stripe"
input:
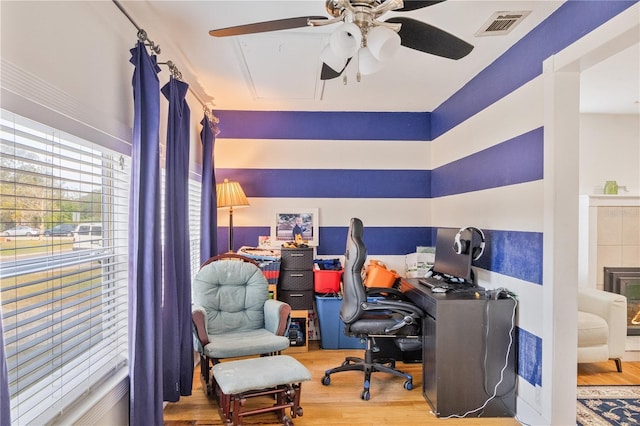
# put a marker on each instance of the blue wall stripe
(326, 183)
(529, 357)
(523, 61)
(516, 254)
(379, 240)
(515, 161)
(387, 126)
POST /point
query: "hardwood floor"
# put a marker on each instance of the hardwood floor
(340, 403)
(336, 404)
(605, 373)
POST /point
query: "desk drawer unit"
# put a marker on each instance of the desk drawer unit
(297, 299)
(292, 279)
(297, 258)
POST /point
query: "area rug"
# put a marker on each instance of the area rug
(608, 405)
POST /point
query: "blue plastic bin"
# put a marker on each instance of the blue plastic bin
(331, 326)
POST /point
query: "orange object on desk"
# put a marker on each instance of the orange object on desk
(379, 276)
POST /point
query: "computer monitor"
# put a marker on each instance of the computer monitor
(447, 261)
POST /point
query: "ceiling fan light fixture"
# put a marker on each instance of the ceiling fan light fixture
(333, 61)
(346, 39)
(383, 43)
(367, 63)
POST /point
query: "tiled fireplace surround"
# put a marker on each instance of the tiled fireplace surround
(609, 236)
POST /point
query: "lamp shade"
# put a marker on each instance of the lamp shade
(367, 63)
(332, 60)
(383, 43)
(230, 194)
(345, 40)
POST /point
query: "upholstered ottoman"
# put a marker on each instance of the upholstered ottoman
(279, 375)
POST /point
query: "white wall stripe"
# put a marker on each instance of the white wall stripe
(508, 208)
(513, 115)
(529, 298)
(404, 212)
(321, 154)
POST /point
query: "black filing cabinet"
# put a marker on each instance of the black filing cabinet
(296, 277)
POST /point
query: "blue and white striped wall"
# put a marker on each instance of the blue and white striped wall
(347, 174)
(476, 160)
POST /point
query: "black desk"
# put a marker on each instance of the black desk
(461, 360)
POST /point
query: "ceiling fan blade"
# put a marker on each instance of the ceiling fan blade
(328, 73)
(426, 38)
(413, 5)
(261, 27)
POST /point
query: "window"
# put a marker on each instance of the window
(64, 295)
(195, 188)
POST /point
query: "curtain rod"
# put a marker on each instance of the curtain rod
(175, 72)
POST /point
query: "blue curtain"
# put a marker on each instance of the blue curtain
(145, 255)
(208, 206)
(177, 339)
(5, 406)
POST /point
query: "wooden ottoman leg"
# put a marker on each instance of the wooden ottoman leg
(237, 403)
(224, 403)
(282, 401)
(296, 409)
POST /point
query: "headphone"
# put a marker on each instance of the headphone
(461, 246)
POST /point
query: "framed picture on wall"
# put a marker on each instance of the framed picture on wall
(287, 223)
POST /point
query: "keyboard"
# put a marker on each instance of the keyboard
(431, 282)
(441, 284)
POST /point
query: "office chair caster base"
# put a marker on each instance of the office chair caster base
(408, 384)
(326, 380)
(365, 395)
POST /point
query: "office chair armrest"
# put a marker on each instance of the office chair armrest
(277, 315)
(387, 292)
(199, 319)
(410, 312)
(398, 306)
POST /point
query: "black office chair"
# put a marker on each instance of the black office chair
(389, 317)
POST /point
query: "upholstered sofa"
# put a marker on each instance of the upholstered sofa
(602, 326)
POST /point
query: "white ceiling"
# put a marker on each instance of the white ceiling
(613, 86)
(281, 70)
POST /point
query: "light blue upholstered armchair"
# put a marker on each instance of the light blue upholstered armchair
(233, 315)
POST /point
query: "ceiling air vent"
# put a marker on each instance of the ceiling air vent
(501, 23)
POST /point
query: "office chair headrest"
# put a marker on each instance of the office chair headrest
(355, 246)
(356, 228)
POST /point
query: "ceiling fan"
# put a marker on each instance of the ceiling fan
(362, 34)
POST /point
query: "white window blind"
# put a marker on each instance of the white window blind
(194, 220)
(64, 305)
(195, 188)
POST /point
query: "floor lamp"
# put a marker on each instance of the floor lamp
(230, 194)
